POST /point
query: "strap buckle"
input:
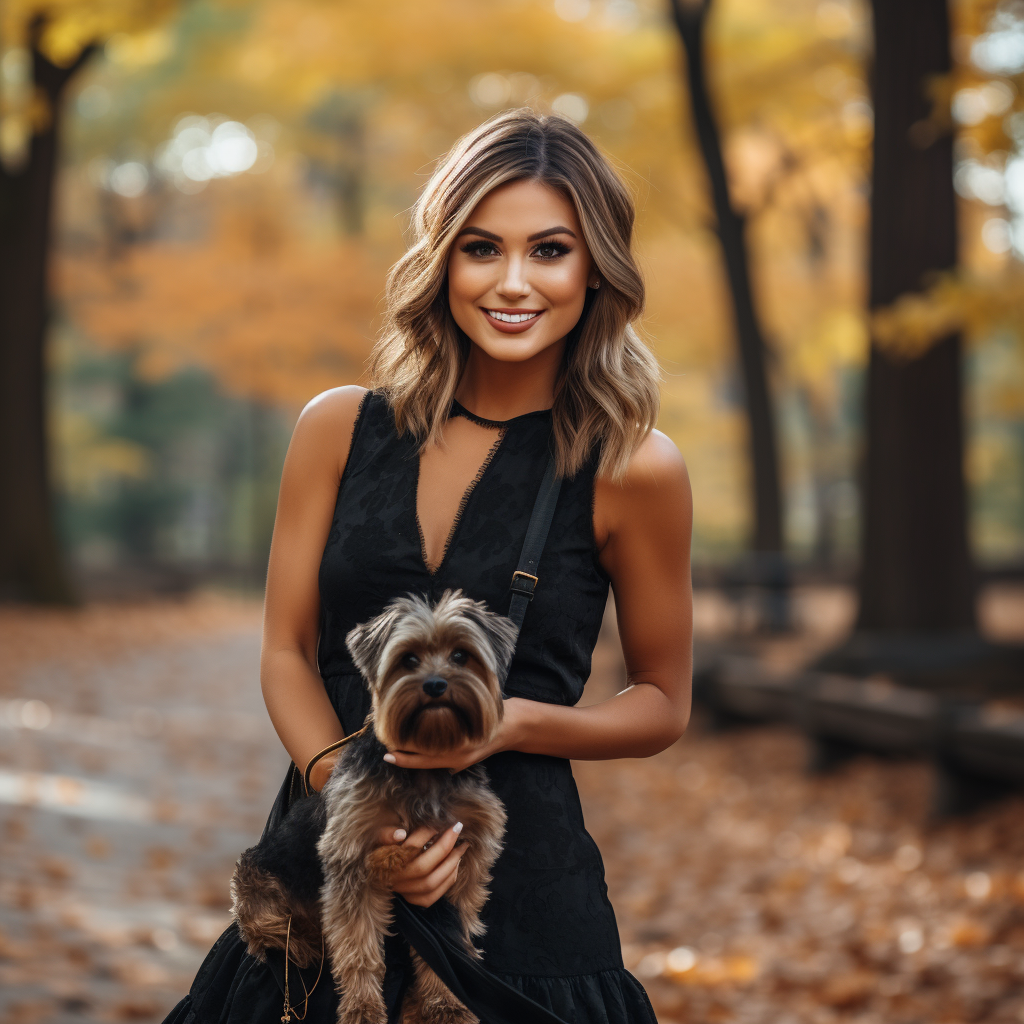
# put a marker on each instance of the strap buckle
(523, 583)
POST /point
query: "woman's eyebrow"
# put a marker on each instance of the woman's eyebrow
(551, 231)
(559, 230)
(480, 231)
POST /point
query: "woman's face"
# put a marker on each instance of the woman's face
(519, 271)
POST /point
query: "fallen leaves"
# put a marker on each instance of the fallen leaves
(747, 890)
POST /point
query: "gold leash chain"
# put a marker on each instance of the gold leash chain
(288, 1009)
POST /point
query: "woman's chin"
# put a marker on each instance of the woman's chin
(513, 348)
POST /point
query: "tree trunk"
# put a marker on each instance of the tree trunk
(916, 572)
(690, 18)
(31, 563)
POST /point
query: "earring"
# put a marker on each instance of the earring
(596, 286)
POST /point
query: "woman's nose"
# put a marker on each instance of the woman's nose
(513, 283)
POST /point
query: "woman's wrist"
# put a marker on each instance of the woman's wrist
(516, 726)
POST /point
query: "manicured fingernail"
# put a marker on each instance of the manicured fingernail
(457, 827)
(400, 834)
(390, 758)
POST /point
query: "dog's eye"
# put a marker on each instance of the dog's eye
(410, 660)
(460, 657)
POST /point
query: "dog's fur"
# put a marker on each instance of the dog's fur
(410, 644)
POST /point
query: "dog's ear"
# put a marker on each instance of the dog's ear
(501, 634)
(366, 642)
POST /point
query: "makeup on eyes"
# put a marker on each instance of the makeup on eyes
(560, 247)
(476, 247)
(480, 246)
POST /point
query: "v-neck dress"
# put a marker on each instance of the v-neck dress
(551, 931)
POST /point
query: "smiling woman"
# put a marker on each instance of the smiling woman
(508, 340)
(515, 280)
(525, 217)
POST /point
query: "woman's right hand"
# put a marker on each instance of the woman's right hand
(428, 876)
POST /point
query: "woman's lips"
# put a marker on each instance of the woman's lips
(513, 324)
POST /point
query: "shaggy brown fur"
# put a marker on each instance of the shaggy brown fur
(434, 674)
(262, 906)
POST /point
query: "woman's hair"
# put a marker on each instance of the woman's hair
(607, 389)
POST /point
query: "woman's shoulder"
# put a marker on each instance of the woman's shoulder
(655, 486)
(656, 464)
(327, 423)
(333, 408)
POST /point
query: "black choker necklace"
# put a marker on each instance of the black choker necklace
(460, 410)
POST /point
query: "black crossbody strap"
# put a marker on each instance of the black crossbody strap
(525, 578)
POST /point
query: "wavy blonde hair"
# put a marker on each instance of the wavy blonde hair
(607, 388)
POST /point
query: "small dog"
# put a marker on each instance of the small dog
(434, 674)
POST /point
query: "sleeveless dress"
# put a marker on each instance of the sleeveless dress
(551, 931)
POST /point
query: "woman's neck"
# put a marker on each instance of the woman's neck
(497, 389)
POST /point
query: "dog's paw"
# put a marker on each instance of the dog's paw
(383, 861)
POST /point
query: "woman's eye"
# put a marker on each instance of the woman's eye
(460, 657)
(551, 250)
(480, 249)
(410, 661)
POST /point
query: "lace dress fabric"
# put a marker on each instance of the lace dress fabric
(551, 930)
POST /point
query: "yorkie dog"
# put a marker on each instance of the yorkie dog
(434, 673)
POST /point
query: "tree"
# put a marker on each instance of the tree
(45, 46)
(916, 572)
(983, 298)
(690, 17)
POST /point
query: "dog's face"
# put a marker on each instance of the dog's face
(434, 672)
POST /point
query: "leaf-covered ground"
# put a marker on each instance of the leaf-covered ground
(136, 761)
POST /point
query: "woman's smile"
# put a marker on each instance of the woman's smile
(512, 321)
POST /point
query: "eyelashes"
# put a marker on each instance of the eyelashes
(544, 250)
(557, 248)
(478, 248)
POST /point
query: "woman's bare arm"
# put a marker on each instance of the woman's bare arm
(642, 525)
(292, 688)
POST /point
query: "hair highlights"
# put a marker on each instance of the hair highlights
(607, 391)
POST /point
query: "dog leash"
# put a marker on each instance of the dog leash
(434, 932)
(337, 744)
(472, 983)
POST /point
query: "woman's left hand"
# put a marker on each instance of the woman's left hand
(471, 753)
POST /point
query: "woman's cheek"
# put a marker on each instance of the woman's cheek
(467, 281)
(565, 285)
(566, 293)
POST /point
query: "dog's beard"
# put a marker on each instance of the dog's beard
(467, 713)
(437, 727)
(425, 716)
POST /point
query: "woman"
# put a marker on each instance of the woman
(508, 336)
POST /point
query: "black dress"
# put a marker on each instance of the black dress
(551, 931)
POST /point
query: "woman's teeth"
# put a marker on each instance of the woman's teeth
(511, 318)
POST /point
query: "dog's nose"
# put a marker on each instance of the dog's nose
(434, 686)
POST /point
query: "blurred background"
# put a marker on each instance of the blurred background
(199, 201)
